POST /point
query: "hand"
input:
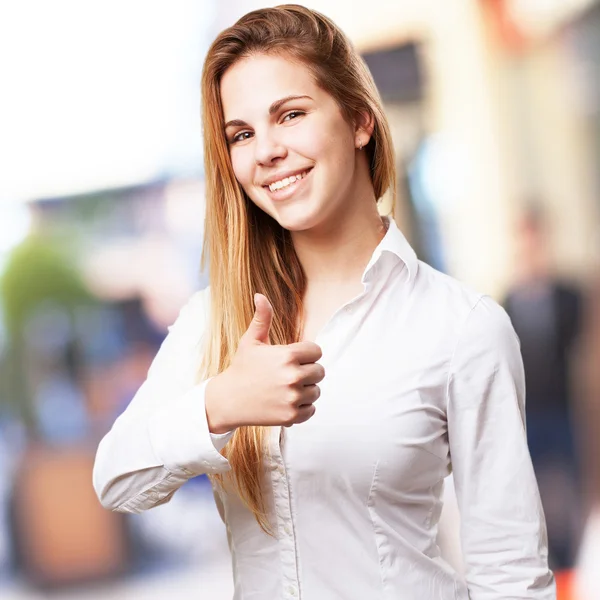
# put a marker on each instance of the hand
(265, 384)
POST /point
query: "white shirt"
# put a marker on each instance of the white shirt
(422, 377)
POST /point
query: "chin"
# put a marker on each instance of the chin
(300, 214)
(298, 217)
(302, 221)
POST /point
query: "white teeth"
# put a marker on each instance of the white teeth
(286, 181)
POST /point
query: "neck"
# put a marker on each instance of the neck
(338, 254)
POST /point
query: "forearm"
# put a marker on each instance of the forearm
(146, 457)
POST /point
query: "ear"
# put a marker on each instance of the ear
(364, 125)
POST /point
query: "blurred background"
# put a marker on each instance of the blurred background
(495, 111)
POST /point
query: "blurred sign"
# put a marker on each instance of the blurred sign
(397, 73)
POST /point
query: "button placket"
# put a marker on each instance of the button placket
(283, 513)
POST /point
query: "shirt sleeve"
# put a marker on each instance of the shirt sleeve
(503, 531)
(162, 438)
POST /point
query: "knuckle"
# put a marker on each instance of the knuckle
(293, 376)
(289, 356)
(294, 396)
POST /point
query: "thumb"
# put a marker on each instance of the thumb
(261, 323)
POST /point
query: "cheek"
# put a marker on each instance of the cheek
(242, 166)
(337, 158)
(333, 144)
(244, 170)
(314, 142)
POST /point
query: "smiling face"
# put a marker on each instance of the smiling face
(291, 149)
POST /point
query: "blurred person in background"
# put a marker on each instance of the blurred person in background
(546, 313)
(314, 295)
(588, 558)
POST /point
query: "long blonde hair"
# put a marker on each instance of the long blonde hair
(247, 250)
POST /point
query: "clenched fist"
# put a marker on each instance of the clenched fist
(265, 384)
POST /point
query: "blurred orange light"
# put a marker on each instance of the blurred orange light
(564, 585)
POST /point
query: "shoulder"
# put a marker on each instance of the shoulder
(469, 317)
(442, 297)
(194, 312)
(568, 294)
(490, 320)
(179, 353)
(487, 344)
(187, 331)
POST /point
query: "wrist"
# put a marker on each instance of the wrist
(216, 399)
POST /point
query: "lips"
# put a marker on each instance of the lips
(284, 181)
(282, 193)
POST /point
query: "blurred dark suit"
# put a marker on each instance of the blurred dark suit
(547, 315)
(547, 319)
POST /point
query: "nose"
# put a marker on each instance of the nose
(268, 149)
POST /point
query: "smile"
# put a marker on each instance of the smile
(287, 181)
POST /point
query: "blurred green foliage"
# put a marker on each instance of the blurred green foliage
(41, 270)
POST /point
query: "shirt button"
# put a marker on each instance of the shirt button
(287, 530)
(281, 470)
(292, 591)
(154, 496)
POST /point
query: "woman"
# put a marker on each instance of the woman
(314, 296)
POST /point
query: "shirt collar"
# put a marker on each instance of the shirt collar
(395, 243)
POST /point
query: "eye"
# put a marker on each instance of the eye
(294, 114)
(240, 137)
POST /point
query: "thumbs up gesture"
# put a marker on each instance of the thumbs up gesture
(265, 384)
(258, 331)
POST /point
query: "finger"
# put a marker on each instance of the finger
(258, 330)
(305, 413)
(306, 352)
(311, 373)
(309, 394)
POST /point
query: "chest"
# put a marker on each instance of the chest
(382, 409)
(321, 305)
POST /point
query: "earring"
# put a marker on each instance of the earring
(360, 146)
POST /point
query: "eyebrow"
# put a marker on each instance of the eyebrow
(272, 109)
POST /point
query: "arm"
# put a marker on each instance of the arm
(503, 532)
(162, 439)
